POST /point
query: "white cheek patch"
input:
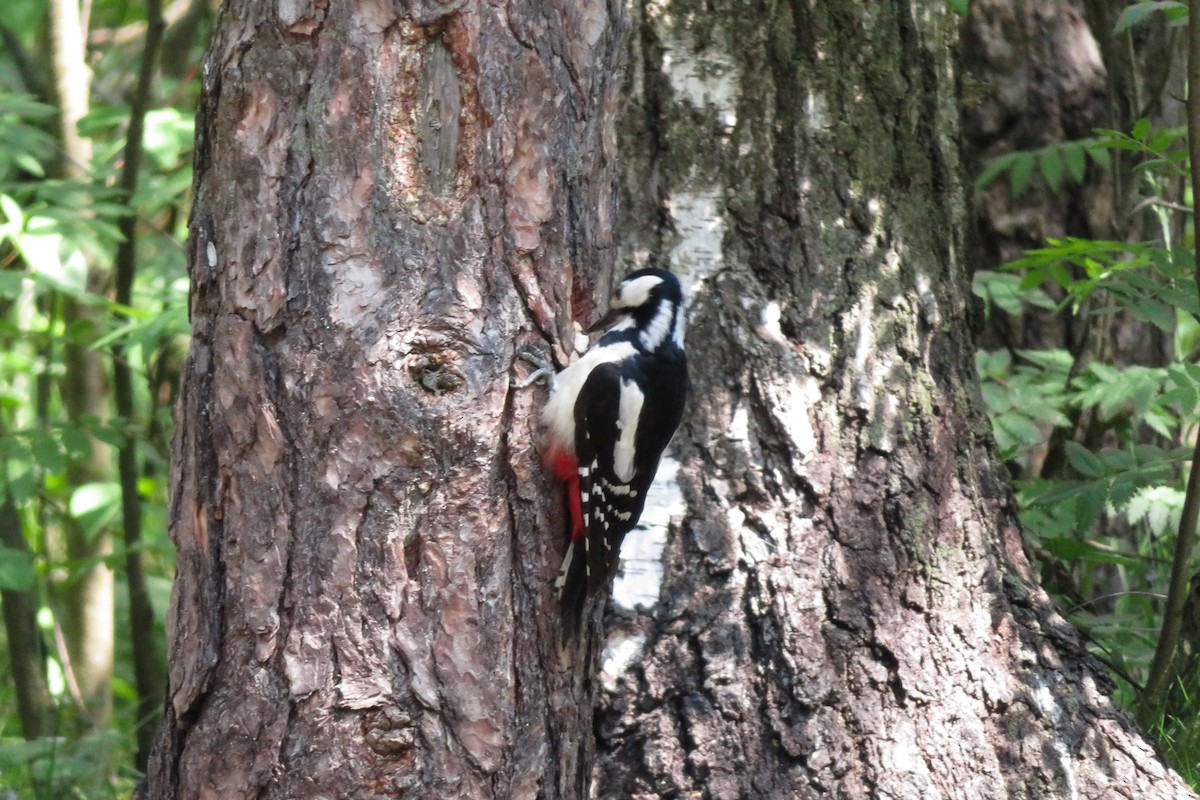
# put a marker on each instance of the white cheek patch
(630, 409)
(636, 292)
(658, 328)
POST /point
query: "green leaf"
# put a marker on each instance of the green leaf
(1057, 360)
(27, 162)
(1069, 549)
(1140, 11)
(1185, 399)
(16, 752)
(1061, 492)
(1100, 156)
(1157, 314)
(1117, 460)
(993, 170)
(1089, 505)
(95, 505)
(1015, 428)
(1022, 171)
(14, 219)
(959, 7)
(1051, 165)
(17, 570)
(1083, 460)
(1159, 507)
(168, 134)
(76, 441)
(1121, 490)
(21, 477)
(46, 451)
(103, 118)
(1076, 160)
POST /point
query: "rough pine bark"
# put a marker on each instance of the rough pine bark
(847, 609)
(391, 198)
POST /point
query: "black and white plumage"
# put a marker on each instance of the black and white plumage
(609, 417)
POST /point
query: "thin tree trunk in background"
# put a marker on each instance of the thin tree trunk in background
(84, 600)
(847, 608)
(390, 200)
(146, 667)
(27, 656)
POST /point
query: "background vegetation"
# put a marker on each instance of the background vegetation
(93, 328)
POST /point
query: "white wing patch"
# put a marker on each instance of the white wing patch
(627, 422)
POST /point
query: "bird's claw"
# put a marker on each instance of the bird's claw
(539, 357)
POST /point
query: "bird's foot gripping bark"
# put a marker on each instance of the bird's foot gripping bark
(539, 357)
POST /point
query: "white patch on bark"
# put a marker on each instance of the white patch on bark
(769, 323)
(1048, 706)
(816, 111)
(706, 78)
(739, 424)
(928, 300)
(876, 376)
(619, 653)
(640, 578)
(790, 402)
(700, 228)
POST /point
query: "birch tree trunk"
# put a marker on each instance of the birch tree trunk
(846, 607)
(84, 602)
(391, 199)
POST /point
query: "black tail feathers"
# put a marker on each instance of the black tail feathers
(572, 587)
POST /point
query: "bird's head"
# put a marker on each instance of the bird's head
(648, 301)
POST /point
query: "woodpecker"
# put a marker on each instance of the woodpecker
(608, 419)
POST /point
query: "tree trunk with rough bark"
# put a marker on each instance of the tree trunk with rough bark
(847, 609)
(391, 199)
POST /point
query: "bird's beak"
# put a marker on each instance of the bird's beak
(608, 319)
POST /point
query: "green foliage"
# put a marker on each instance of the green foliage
(1162, 151)
(1103, 448)
(1055, 163)
(1025, 399)
(1176, 13)
(54, 231)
